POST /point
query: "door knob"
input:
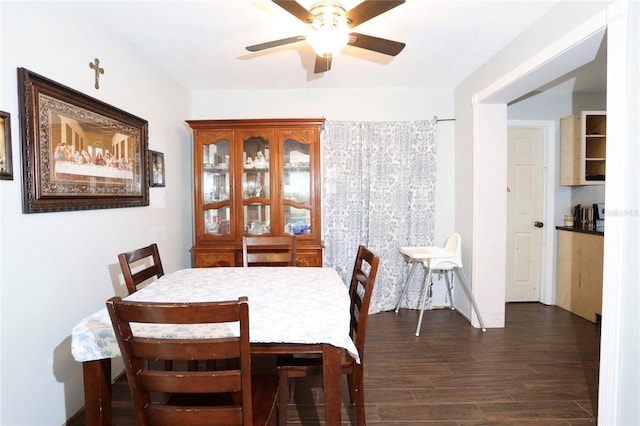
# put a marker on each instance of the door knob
(538, 224)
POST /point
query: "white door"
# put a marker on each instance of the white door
(524, 214)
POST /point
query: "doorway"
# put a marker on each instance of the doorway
(524, 214)
(530, 211)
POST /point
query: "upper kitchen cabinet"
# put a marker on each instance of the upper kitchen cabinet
(583, 148)
(255, 177)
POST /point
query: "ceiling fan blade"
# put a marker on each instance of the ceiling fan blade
(296, 9)
(323, 64)
(370, 9)
(382, 45)
(275, 43)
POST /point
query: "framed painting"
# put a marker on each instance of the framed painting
(6, 165)
(156, 167)
(78, 153)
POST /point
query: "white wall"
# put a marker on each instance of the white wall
(620, 343)
(333, 104)
(56, 268)
(354, 105)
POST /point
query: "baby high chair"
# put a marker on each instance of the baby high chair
(446, 259)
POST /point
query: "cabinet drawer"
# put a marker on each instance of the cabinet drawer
(212, 258)
(311, 258)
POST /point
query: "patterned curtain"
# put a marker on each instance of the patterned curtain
(378, 190)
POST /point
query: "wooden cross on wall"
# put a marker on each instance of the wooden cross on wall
(95, 65)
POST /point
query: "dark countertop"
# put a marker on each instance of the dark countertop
(575, 229)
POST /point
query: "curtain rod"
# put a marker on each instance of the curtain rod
(435, 118)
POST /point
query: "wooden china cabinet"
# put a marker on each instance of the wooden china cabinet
(255, 177)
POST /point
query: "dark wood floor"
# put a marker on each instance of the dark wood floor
(541, 369)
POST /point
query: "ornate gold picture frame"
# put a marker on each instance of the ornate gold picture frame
(78, 153)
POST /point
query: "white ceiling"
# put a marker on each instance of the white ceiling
(202, 43)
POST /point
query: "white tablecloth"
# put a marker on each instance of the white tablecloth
(286, 305)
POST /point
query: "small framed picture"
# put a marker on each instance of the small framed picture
(156, 168)
(6, 166)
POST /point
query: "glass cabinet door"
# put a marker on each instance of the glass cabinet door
(216, 181)
(256, 183)
(296, 187)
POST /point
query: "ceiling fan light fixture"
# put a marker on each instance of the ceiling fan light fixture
(329, 30)
(328, 42)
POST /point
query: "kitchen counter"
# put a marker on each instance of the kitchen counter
(581, 230)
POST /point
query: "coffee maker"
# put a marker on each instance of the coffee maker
(584, 217)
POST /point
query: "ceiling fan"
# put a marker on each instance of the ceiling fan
(330, 24)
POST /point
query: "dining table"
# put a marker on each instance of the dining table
(291, 310)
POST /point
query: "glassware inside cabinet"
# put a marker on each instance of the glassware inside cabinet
(255, 184)
(297, 221)
(296, 185)
(255, 176)
(216, 187)
(257, 219)
(217, 221)
(215, 179)
(297, 173)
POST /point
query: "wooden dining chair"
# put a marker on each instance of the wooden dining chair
(137, 267)
(269, 251)
(232, 396)
(290, 367)
(140, 256)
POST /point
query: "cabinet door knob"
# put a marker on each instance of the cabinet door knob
(538, 224)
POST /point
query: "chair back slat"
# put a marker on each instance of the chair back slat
(191, 381)
(177, 313)
(268, 258)
(182, 350)
(198, 416)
